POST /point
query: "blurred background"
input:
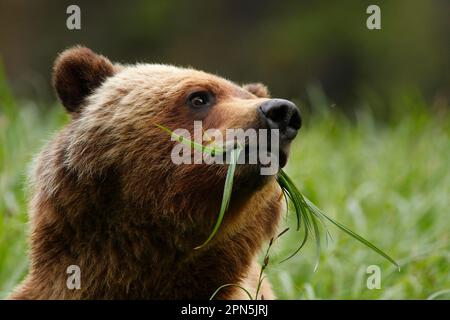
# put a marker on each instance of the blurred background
(375, 150)
(289, 45)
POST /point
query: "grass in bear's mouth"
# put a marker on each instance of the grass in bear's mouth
(226, 194)
(310, 218)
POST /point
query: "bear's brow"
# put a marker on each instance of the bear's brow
(221, 87)
(241, 93)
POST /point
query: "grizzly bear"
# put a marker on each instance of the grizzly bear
(107, 198)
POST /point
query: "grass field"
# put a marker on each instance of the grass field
(388, 181)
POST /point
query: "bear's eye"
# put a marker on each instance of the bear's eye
(200, 99)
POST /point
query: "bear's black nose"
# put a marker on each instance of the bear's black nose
(283, 115)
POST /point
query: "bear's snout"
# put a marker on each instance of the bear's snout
(282, 115)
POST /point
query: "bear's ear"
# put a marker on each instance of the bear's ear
(258, 89)
(77, 72)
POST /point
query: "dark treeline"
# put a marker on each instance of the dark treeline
(289, 45)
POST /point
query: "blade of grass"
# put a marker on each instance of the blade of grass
(353, 234)
(318, 242)
(299, 210)
(211, 150)
(230, 285)
(226, 194)
(302, 244)
(304, 204)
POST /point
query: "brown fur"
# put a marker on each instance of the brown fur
(107, 197)
(77, 73)
(258, 89)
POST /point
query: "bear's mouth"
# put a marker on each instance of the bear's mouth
(277, 158)
(284, 155)
(260, 155)
(262, 149)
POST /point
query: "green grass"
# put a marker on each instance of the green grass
(389, 182)
(24, 128)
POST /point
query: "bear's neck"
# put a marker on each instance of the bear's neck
(123, 252)
(137, 261)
